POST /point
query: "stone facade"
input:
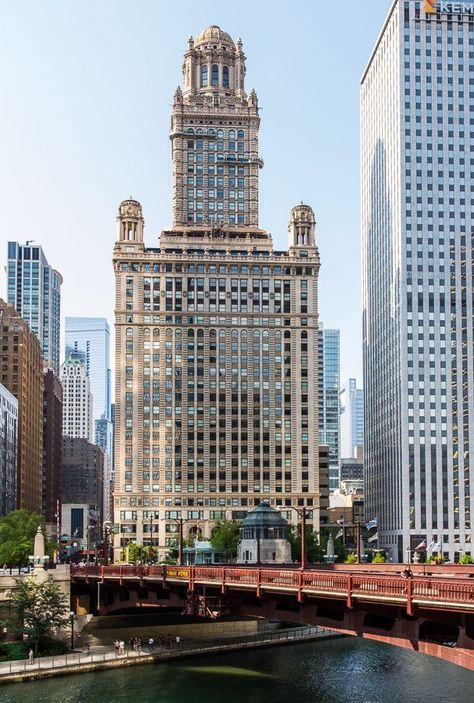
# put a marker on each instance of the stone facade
(216, 332)
(22, 374)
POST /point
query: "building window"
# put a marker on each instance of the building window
(215, 75)
(225, 77)
(203, 75)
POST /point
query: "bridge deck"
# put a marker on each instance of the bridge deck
(453, 591)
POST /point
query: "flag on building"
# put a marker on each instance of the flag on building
(422, 545)
(372, 523)
(341, 520)
(340, 534)
(437, 547)
(374, 538)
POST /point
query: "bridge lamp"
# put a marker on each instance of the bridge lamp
(304, 513)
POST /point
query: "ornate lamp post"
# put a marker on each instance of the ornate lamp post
(304, 513)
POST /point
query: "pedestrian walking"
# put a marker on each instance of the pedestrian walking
(151, 644)
(178, 640)
(30, 656)
(139, 645)
(121, 647)
(117, 647)
(160, 640)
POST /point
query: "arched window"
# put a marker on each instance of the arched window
(231, 134)
(204, 75)
(190, 130)
(225, 77)
(129, 332)
(220, 133)
(211, 132)
(214, 74)
(146, 332)
(240, 134)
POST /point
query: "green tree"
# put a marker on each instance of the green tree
(17, 536)
(225, 538)
(314, 551)
(41, 608)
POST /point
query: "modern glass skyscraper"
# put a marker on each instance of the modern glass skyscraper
(91, 337)
(34, 290)
(351, 403)
(328, 399)
(216, 332)
(417, 113)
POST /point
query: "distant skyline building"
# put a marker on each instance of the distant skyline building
(21, 372)
(8, 450)
(34, 290)
(216, 332)
(91, 337)
(328, 398)
(417, 181)
(77, 400)
(351, 403)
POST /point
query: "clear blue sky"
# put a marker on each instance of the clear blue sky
(86, 90)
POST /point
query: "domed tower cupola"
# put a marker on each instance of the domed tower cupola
(302, 227)
(130, 222)
(213, 65)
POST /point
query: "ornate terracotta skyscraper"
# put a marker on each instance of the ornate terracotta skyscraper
(216, 332)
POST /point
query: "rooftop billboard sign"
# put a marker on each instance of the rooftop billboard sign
(432, 7)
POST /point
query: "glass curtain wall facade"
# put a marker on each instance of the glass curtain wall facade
(329, 388)
(34, 290)
(417, 116)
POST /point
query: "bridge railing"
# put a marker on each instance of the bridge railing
(449, 591)
(414, 589)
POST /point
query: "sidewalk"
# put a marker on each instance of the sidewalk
(101, 657)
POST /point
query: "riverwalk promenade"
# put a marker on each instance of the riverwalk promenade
(100, 658)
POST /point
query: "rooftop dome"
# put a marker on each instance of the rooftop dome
(264, 516)
(130, 207)
(213, 35)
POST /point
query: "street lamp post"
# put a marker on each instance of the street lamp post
(71, 619)
(303, 513)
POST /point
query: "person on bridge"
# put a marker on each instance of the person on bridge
(151, 644)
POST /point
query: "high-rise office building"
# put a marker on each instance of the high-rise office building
(351, 403)
(328, 398)
(417, 250)
(52, 449)
(90, 336)
(21, 372)
(77, 400)
(8, 450)
(216, 332)
(34, 290)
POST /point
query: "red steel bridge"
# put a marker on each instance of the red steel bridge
(429, 610)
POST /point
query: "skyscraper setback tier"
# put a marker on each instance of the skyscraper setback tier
(216, 333)
(417, 252)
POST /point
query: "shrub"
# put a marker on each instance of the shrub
(466, 559)
(350, 559)
(378, 559)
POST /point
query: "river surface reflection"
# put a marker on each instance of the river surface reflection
(333, 671)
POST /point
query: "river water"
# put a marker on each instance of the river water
(333, 671)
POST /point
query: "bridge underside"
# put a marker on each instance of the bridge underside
(445, 634)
